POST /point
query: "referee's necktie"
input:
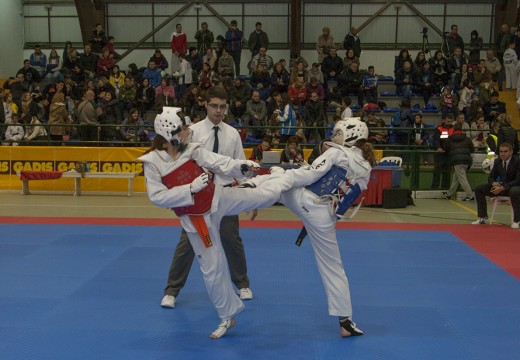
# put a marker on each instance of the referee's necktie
(215, 143)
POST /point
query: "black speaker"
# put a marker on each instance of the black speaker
(395, 198)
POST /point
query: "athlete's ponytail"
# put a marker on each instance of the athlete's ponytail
(367, 150)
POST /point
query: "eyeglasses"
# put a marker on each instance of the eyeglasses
(216, 106)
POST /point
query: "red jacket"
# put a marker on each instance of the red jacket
(179, 44)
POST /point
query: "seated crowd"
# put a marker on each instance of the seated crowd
(87, 96)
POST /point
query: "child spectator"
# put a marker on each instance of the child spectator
(448, 102)
(14, 132)
(369, 86)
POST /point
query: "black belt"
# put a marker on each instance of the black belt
(228, 185)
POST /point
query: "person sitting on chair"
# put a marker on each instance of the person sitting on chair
(504, 180)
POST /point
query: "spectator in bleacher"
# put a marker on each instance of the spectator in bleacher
(349, 59)
(17, 87)
(207, 77)
(179, 45)
(454, 64)
(465, 73)
(126, 97)
(53, 69)
(204, 38)
(292, 152)
(352, 41)
(404, 56)
(315, 117)
(88, 61)
(475, 46)
(279, 79)
(426, 83)
(256, 114)
(195, 61)
(145, 96)
(405, 80)
(132, 72)
(153, 74)
(493, 108)
(34, 130)
(29, 108)
(10, 107)
(274, 103)
(501, 44)
(262, 58)
(439, 67)
(98, 39)
(461, 119)
(14, 133)
(465, 95)
(331, 66)
(317, 87)
(297, 91)
(346, 111)
(234, 45)
(418, 136)
(506, 133)
(58, 115)
(258, 151)
(260, 80)
(110, 116)
(38, 61)
(164, 94)
(193, 102)
(221, 45)
(299, 71)
(479, 132)
(510, 64)
(453, 41)
(133, 128)
(494, 66)
(66, 49)
(105, 86)
(286, 118)
(258, 39)
(210, 58)
(50, 90)
(315, 71)
(324, 44)
(420, 60)
(70, 61)
(483, 85)
(105, 63)
(160, 61)
(88, 118)
(30, 74)
(111, 50)
(240, 93)
(369, 85)
(448, 102)
(350, 82)
(117, 79)
(226, 65)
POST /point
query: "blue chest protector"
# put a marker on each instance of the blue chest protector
(330, 183)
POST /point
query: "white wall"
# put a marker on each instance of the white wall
(11, 38)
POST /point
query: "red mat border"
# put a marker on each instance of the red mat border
(498, 243)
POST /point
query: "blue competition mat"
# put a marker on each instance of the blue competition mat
(93, 292)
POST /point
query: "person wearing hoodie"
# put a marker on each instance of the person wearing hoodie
(459, 147)
(475, 45)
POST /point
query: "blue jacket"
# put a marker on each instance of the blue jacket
(287, 121)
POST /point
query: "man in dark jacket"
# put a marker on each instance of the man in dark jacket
(350, 82)
(352, 42)
(331, 66)
(503, 180)
(458, 148)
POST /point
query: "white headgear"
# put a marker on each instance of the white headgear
(169, 123)
(348, 131)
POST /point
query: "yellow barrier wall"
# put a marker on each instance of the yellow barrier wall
(63, 158)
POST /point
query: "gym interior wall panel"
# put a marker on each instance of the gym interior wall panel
(313, 26)
(277, 28)
(326, 9)
(34, 10)
(265, 9)
(380, 30)
(129, 9)
(370, 9)
(228, 10)
(73, 32)
(64, 10)
(430, 9)
(129, 29)
(469, 9)
(36, 30)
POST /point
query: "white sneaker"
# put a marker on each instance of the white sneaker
(481, 221)
(245, 294)
(168, 301)
(223, 328)
(515, 225)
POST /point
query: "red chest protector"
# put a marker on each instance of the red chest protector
(183, 175)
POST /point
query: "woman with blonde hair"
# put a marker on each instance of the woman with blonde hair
(324, 44)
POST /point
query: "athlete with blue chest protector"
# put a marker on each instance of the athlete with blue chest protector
(321, 195)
